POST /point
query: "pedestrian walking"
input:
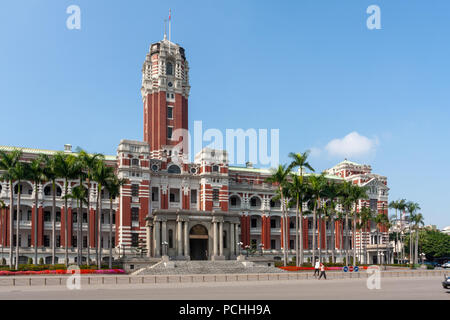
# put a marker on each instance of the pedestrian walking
(316, 268)
(322, 271)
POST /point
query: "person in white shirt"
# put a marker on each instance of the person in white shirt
(316, 268)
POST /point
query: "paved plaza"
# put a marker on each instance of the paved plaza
(342, 289)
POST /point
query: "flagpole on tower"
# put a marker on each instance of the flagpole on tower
(170, 16)
(165, 29)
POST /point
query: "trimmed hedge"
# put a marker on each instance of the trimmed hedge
(43, 267)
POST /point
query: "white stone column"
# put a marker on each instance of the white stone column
(186, 239)
(148, 238)
(157, 238)
(220, 238)
(215, 239)
(179, 238)
(232, 240)
(164, 236)
(236, 238)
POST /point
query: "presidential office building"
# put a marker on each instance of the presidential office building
(200, 210)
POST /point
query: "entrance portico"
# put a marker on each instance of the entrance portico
(196, 235)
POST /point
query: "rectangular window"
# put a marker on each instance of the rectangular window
(58, 217)
(291, 244)
(134, 239)
(193, 196)
(135, 190)
(169, 132)
(172, 197)
(47, 216)
(273, 223)
(155, 194)
(29, 240)
(170, 112)
(373, 204)
(254, 222)
(273, 244)
(215, 195)
(58, 241)
(134, 214)
(74, 241)
(85, 242)
(46, 240)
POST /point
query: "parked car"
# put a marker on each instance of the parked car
(446, 265)
(446, 282)
(432, 263)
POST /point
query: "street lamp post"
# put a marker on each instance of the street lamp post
(422, 255)
(239, 246)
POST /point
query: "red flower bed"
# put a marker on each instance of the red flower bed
(43, 272)
(293, 268)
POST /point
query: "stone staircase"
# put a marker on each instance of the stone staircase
(207, 267)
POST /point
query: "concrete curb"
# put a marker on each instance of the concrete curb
(199, 278)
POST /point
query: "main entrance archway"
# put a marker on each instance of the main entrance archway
(198, 242)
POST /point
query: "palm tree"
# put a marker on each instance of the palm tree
(380, 220)
(331, 193)
(113, 185)
(418, 220)
(357, 193)
(50, 174)
(412, 208)
(295, 190)
(317, 186)
(7, 163)
(78, 193)
(66, 167)
(397, 205)
(346, 201)
(36, 175)
(279, 177)
(89, 163)
(299, 160)
(19, 173)
(101, 174)
(366, 216)
(2, 214)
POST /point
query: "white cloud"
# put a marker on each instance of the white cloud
(352, 145)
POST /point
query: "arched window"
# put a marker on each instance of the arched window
(135, 162)
(174, 169)
(169, 69)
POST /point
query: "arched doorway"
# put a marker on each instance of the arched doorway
(198, 242)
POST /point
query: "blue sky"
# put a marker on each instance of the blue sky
(309, 68)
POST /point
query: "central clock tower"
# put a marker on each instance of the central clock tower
(165, 92)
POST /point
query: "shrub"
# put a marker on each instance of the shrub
(30, 261)
(41, 261)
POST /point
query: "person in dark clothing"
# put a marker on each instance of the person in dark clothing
(322, 271)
